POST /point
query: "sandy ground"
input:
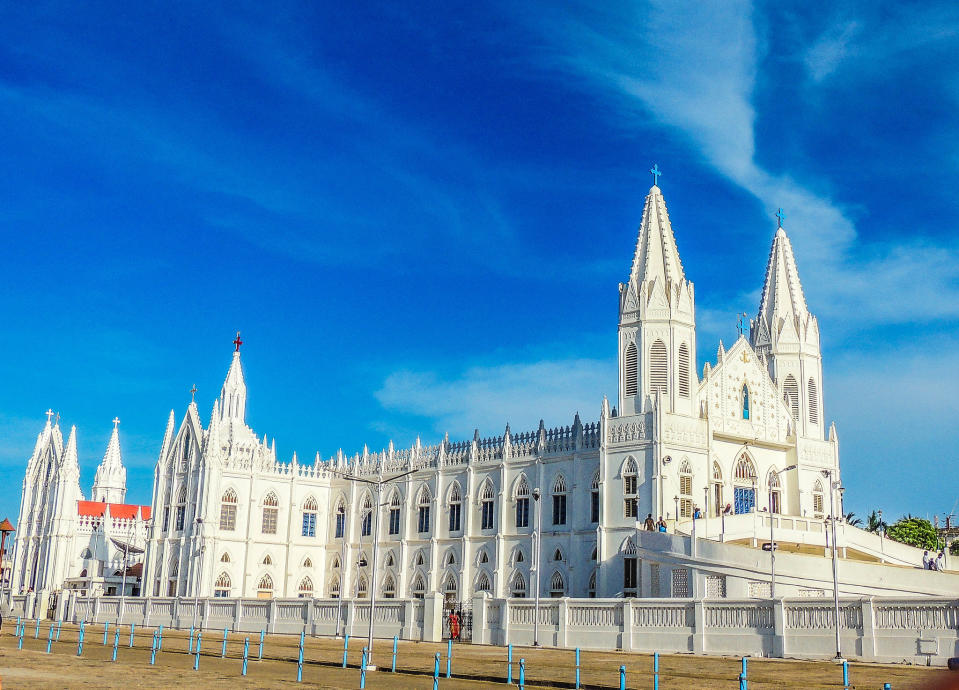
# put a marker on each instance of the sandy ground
(472, 666)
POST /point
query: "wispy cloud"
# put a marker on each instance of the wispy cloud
(693, 69)
(489, 397)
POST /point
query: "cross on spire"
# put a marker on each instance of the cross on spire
(237, 341)
(193, 393)
(656, 173)
(49, 414)
(781, 216)
(116, 422)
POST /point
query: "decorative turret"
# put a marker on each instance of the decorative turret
(110, 483)
(785, 335)
(657, 318)
(233, 394)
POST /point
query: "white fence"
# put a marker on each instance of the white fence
(889, 630)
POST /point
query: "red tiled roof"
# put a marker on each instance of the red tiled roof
(117, 510)
(5, 526)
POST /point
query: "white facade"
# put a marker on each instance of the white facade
(64, 541)
(231, 520)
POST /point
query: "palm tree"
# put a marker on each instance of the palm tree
(852, 520)
(874, 523)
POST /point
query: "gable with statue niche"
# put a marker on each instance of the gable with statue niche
(723, 391)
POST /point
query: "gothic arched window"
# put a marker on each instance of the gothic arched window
(630, 496)
(486, 502)
(557, 587)
(522, 502)
(423, 510)
(181, 508)
(271, 512)
(264, 589)
(389, 587)
(309, 517)
(482, 583)
(594, 499)
(335, 587)
(228, 511)
(685, 489)
(340, 526)
(455, 507)
(818, 501)
(745, 396)
(306, 588)
(221, 587)
(366, 519)
(559, 500)
(418, 589)
(395, 512)
(518, 587)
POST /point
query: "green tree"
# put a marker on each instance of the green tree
(915, 532)
(954, 548)
(874, 523)
(852, 520)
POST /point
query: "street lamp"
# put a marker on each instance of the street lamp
(537, 538)
(378, 482)
(772, 538)
(676, 514)
(835, 572)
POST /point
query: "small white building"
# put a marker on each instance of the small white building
(66, 542)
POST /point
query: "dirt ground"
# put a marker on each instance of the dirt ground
(472, 666)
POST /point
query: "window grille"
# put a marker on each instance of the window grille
(518, 588)
(309, 517)
(630, 499)
(222, 586)
(559, 501)
(683, 371)
(340, 526)
(395, 514)
(389, 588)
(306, 588)
(270, 513)
(522, 503)
(813, 402)
(487, 506)
(791, 395)
(482, 583)
(630, 369)
(423, 521)
(557, 587)
(456, 507)
(680, 582)
(715, 586)
(658, 369)
(228, 511)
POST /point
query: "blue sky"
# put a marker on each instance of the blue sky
(418, 218)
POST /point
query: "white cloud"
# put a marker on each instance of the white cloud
(693, 68)
(832, 47)
(488, 397)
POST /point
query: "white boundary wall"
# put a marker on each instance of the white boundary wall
(920, 631)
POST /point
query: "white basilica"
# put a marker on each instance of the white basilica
(746, 447)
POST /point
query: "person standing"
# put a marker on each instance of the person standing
(454, 626)
(925, 560)
(649, 524)
(661, 524)
(941, 561)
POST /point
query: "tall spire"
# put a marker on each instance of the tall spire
(782, 308)
(110, 483)
(233, 394)
(656, 253)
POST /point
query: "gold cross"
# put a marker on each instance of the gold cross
(745, 357)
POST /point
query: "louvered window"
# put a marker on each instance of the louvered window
(791, 395)
(684, 370)
(813, 402)
(658, 372)
(631, 377)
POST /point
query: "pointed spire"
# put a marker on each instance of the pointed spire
(110, 483)
(656, 253)
(782, 297)
(233, 394)
(70, 460)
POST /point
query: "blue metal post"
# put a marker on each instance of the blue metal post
(887, 686)
(223, 652)
(132, 630)
(189, 647)
(509, 665)
(522, 673)
(17, 629)
(449, 656)
(20, 640)
(58, 630)
(153, 649)
(363, 670)
(436, 672)
(346, 648)
(246, 654)
(744, 683)
(845, 674)
(116, 642)
(395, 640)
(37, 633)
(577, 668)
(262, 635)
(299, 663)
(622, 678)
(656, 671)
(106, 628)
(49, 638)
(196, 659)
(160, 638)
(80, 640)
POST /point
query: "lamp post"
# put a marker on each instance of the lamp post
(706, 510)
(378, 482)
(537, 538)
(772, 536)
(676, 514)
(835, 572)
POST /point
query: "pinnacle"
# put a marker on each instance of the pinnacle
(656, 256)
(782, 295)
